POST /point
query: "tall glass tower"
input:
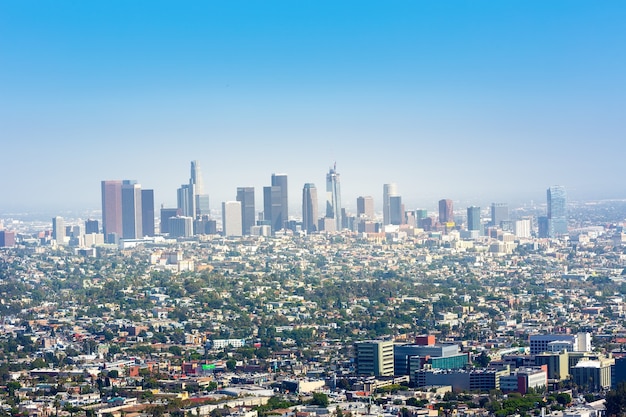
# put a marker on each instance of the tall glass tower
(201, 200)
(333, 197)
(389, 190)
(557, 211)
(309, 208)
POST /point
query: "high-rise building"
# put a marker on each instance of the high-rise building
(147, 212)
(557, 211)
(499, 214)
(389, 190)
(201, 200)
(186, 198)
(231, 218)
(166, 214)
(91, 226)
(473, 218)
(111, 209)
(396, 210)
(7, 239)
(446, 211)
(131, 210)
(333, 197)
(309, 208)
(272, 207)
(280, 180)
(365, 207)
(58, 230)
(543, 227)
(374, 357)
(180, 226)
(522, 228)
(245, 195)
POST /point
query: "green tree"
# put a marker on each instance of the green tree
(319, 398)
(616, 401)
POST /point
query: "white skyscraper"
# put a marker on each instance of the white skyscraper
(333, 197)
(231, 218)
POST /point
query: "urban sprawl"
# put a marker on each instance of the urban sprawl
(490, 311)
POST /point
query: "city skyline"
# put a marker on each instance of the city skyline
(490, 102)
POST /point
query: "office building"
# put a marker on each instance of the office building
(272, 207)
(204, 225)
(131, 210)
(446, 211)
(186, 199)
(396, 210)
(201, 200)
(389, 190)
(522, 380)
(245, 195)
(231, 218)
(543, 227)
(374, 357)
(58, 230)
(180, 226)
(166, 214)
(556, 364)
(147, 212)
(333, 197)
(111, 209)
(7, 239)
(309, 208)
(541, 343)
(483, 380)
(410, 357)
(473, 218)
(280, 180)
(557, 211)
(522, 228)
(593, 375)
(365, 207)
(499, 214)
(91, 226)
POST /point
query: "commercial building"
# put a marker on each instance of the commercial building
(524, 379)
(231, 218)
(111, 209)
(58, 230)
(557, 211)
(201, 200)
(309, 208)
(389, 190)
(245, 195)
(365, 207)
(499, 214)
(593, 375)
(131, 210)
(473, 218)
(374, 357)
(446, 211)
(333, 197)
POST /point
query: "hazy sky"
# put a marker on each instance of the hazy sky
(470, 100)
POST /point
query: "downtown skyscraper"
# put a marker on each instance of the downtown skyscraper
(276, 202)
(446, 211)
(245, 195)
(389, 190)
(201, 200)
(111, 210)
(127, 210)
(309, 208)
(557, 211)
(333, 197)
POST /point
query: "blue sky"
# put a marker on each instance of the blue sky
(476, 101)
